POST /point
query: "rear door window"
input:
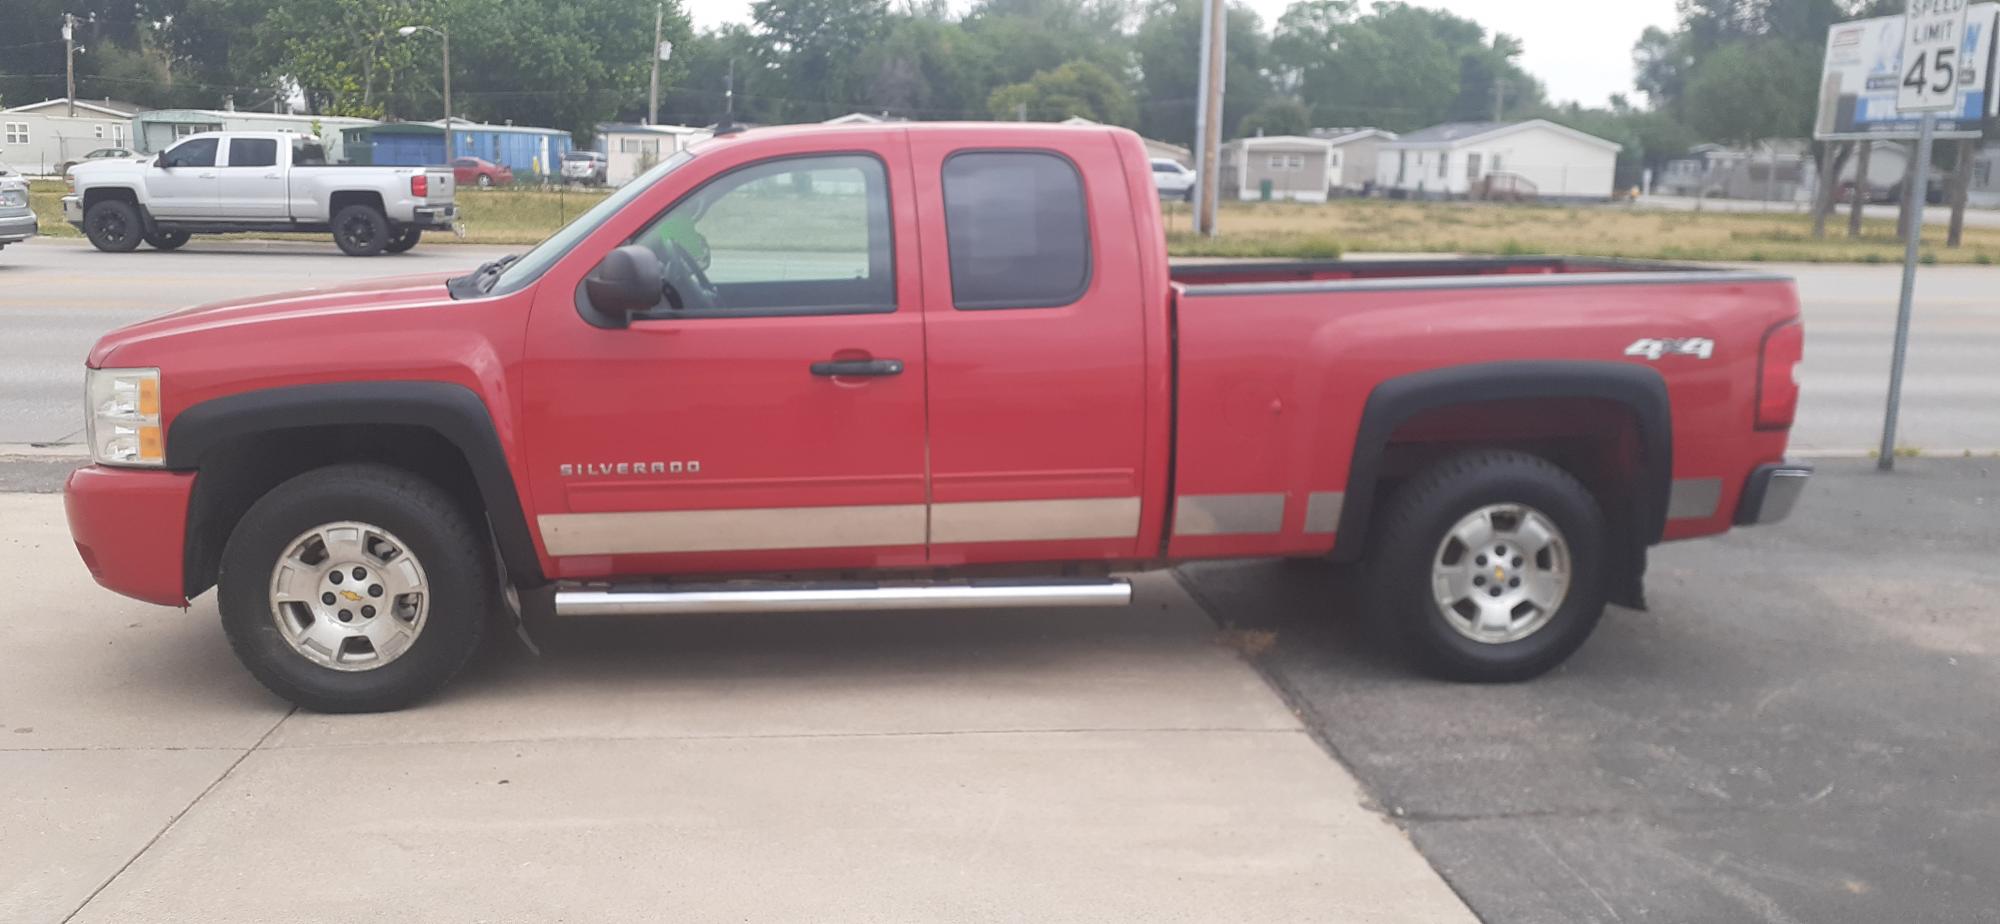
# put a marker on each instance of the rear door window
(1017, 230)
(253, 152)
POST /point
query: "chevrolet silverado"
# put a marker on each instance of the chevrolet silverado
(218, 182)
(920, 366)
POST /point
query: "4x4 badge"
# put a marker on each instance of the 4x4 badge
(1653, 348)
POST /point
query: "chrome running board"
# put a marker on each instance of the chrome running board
(668, 600)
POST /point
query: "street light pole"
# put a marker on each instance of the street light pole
(443, 33)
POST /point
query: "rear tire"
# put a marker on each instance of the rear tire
(484, 181)
(167, 240)
(1489, 566)
(387, 541)
(403, 240)
(113, 226)
(360, 230)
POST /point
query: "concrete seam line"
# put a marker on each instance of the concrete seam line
(176, 819)
(799, 736)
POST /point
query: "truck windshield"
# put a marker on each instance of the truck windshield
(535, 262)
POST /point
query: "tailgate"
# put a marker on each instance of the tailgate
(442, 185)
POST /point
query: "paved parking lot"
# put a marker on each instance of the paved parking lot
(1003, 766)
(1801, 729)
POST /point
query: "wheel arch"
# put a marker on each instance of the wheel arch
(346, 197)
(1638, 390)
(248, 442)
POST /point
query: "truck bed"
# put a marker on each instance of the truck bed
(1411, 270)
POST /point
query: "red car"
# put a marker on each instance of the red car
(916, 367)
(472, 171)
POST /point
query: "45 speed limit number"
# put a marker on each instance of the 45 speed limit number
(1933, 34)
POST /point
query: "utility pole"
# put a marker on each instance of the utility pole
(69, 60)
(450, 153)
(1499, 97)
(1208, 115)
(729, 93)
(653, 97)
(1861, 186)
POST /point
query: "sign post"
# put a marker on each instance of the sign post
(1933, 33)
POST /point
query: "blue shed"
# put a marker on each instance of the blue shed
(526, 150)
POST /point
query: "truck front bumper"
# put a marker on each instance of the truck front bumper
(17, 228)
(435, 216)
(130, 526)
(1771, 493)
(73, 211)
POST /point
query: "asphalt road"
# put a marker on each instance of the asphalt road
(58, 296)
(1801, 729)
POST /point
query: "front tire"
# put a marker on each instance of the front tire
(167, 240)
(355, 588)
(1489, 566)
(360, 230)
(113, 226)
(484, 181)
(403, 240)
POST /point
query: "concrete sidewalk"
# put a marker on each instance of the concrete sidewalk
(1086, 765)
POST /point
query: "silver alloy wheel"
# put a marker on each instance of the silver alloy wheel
(1501, 573)
(349, 596)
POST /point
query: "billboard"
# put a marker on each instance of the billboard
(1864, 68)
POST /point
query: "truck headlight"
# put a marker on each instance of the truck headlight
(122, 417)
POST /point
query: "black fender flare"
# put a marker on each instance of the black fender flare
(452, 411)
(1397, 400)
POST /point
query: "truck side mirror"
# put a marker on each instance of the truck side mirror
(160, 159)
(627, 281)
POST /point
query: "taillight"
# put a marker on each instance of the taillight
(420, 185)
(1778, 376)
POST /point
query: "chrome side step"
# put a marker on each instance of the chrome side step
(779, 598)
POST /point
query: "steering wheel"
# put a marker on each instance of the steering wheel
(695, 290)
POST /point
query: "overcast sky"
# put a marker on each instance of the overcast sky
(1581, 49)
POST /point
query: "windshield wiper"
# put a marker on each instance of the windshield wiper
(481, 280)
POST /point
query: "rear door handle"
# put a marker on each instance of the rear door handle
(858, 367)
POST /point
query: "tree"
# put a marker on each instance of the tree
(1398, 66)
(1751, 90)
(819, 42)
(1078, 88)
(1279, 115)
(1169, 51)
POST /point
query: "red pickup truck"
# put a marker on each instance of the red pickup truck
(920, 366)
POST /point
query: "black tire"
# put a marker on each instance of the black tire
(360, 230)
(167, 240)
(483, 181)
(453, 552)
(113, 226)
(1415, 523)
(403, 240)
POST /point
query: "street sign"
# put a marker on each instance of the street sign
(1858, 84)
(665, 51)
(1933, 33)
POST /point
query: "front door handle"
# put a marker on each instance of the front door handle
(858, 367)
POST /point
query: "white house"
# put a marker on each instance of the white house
(40, 137)
(1455, 158)
(1291, 166)
(1352, 166)
(631, 149)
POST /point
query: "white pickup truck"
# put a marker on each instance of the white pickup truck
(220, 182)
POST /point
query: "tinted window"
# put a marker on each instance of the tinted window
(466, 162)
(805, 235)
(253, 152)
(197, 153)
(1016, 229)
(308, 153)
(1165, 168)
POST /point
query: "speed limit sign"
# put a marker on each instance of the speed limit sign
(1933, 41)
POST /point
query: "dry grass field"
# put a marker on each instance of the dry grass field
(1289, 229)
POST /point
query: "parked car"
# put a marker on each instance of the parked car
(218, 182)
(972, 379)
(17, 218)
(99, 154)
(1502, 186)
(1172, 179)
(588, 167)
(481, 173)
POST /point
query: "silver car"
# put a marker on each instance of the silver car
(17, 220)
